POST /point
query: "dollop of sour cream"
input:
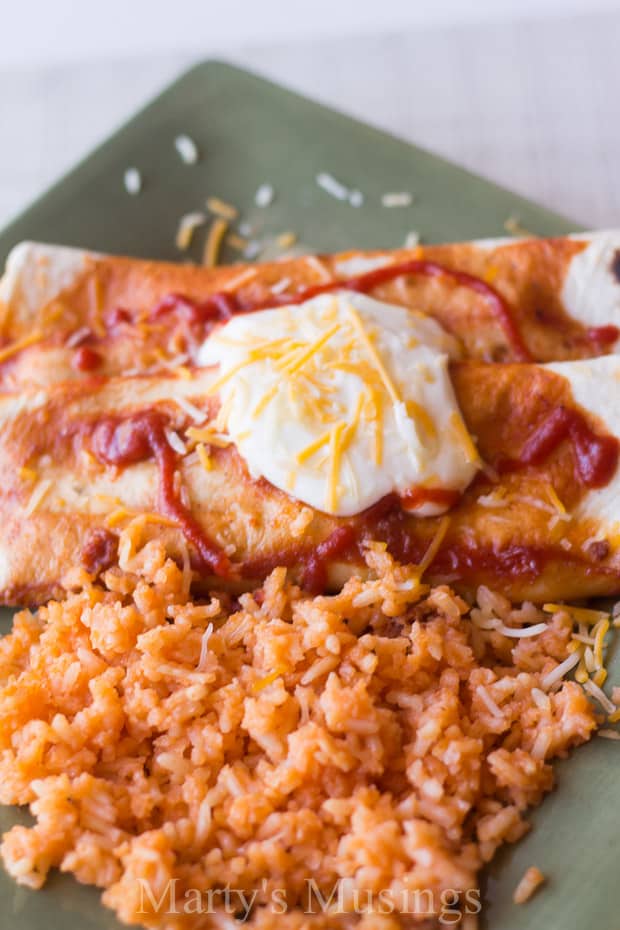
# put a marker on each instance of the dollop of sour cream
(342, 400)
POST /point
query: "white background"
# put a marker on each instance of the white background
(35, 33)
(526, 92)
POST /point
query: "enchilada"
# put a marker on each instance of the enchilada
(496, 473)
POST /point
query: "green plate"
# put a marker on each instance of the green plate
(249, 132)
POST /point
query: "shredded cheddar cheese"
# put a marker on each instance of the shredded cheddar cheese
(555, 500)
(376, 358)
(218, 230)
(335, 453)
(465, 439)
(578, 614)
(237, 242)
(204, 457)
(419, 414)
(601, 632)
(433, 549)
(262, 683)
(286, 239)
(123, 513)
(17, 346)
(222, 209)
(96, 302)
(207, 435)
(313, 447)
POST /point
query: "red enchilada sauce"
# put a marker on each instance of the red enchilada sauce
(86, 359)
(124, 442)
(595, 456)
(387, 522)
(218, 308)
(603, 336)
(595, 459)
(417, 497)
(100, 551)
(117, 441)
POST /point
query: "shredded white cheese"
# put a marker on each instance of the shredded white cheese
(397, 199)
(196, 414)
(133, 181)
(599, 695)
(523, 632)
(558, 673)
(175, 442)
(331, 186)
(41, 489)
(264, 196)
(187, 149)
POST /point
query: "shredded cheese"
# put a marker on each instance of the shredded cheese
(514, 226)
(236, 242)
(433, 549)
(175, 442)
(599, 695)
(601, 631)
(286, 239)
(204, 457)
(133, 181)
(187, 149)
(578, 614)
(374, 355)
(264, 195)
(213, 244)
(221, 208)
(608, 734)
(123, 513)
(17, 346)
(397, 199)
(555, 500)
(532, 880)
(335, 453)
(194, 412)
(40, 491)
(333, 367)
(188, 225)
(208, 435)
(557, 674)
(417, 412)
(522, 632)
(262, 683)
(464, 438)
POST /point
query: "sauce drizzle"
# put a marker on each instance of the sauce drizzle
(371, 279)
(117, 441)
(417, 497)
(220, 307)
(86, 359)
(595, 456)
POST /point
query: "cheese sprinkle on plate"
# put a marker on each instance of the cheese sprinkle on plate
(342, 400)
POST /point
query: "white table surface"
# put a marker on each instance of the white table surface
(534, 106)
